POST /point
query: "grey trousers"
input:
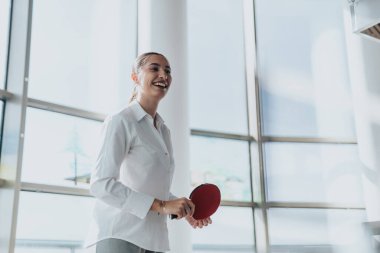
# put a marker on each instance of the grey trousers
(112, 245)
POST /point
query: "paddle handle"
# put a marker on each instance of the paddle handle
(173, 216)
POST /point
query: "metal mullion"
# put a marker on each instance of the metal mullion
(64, 190)
(237, 203)
(313, 205)
(197, 132)
(254, 115)
(14, 120)
(2, 182)
(309, 140)
(71, 111)
(5, 95)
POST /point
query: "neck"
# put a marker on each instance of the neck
(149, 105)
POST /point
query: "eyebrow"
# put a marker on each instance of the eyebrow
(158, 65)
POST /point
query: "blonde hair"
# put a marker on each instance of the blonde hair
(139, 62)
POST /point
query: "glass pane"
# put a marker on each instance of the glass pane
(313, 173)
(52, 222)
(59, 149)
(302, 69)
(231, 231)
(5, 8)
(333, 231)
(216, 66)
(222, 162)
(82, 53)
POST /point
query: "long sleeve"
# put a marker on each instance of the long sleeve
(105, 184)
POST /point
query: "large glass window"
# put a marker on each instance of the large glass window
(5, 7)
(58, 149)
(216, 66)
(81, 53)
(52, 223)
(302, 69)
(325, 173)
(222, 162)
(231, 231)
(316, 230)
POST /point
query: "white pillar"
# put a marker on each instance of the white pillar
(162, 28)
(364, 62)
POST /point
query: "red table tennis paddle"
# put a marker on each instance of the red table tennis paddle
(206, 198)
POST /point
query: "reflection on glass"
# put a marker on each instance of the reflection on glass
(222, 162)
(58, 149)
(5, 7)
(231, 231)
(313, 173)
(302, 69)
(52, 223)
(216, 66)
(335, 231)
(82, 53)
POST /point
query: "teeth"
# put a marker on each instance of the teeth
(161, 84)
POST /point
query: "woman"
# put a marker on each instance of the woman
(134, 170)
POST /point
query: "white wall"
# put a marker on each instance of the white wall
(364, 66)
(162, 28)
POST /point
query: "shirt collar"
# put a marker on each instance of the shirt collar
(140, 113)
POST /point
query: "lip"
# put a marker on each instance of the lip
(158, 82)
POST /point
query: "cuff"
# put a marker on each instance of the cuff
(138, 204)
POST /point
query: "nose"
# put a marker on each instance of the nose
(163, 75)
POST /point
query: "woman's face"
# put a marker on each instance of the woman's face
(154, 77)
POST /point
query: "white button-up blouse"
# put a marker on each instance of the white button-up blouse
(135, 165)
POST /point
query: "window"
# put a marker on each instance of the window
(302, 69)
(219, 145)
(315, 230)
(231, 231)
(303, 168)
(59, 149)
(52, 222)
(81, 53)
(216, 66)
(327, 173)
(213, 160)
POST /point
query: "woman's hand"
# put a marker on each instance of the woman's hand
(198, 223)
(182, 207)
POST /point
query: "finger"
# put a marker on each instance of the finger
(209, 220)
(204, 222)
(192, 207)
(188, 210)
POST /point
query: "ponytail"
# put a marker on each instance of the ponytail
(134, 94)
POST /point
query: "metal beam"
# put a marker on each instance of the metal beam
(197, 132)
(313, 205)
(44, 188)
(309, 140)
(35, 103)
(5, 95)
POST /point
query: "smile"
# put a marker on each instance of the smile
(161, 85)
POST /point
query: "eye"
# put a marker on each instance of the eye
(155, 69)
(168, 71)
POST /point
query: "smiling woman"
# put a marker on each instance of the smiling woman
(134, 170)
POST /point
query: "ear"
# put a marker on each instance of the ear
(135, 78)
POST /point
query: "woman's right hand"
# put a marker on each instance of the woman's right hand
(181, 207)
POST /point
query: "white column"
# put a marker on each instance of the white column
(364, 62)
(162, 28)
